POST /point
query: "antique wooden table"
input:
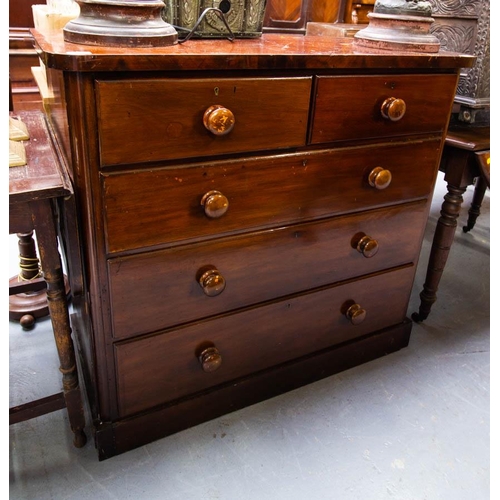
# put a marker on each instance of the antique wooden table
(250, 216)
(465, 159)
(34, 190)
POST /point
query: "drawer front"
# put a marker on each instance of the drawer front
(150, 292)
(161, 206)
(350, 107)
(161, 368)
(152, 120)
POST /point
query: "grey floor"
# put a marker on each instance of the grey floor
(414, 425)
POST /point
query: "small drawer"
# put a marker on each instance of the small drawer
(158, 369)
(157, 290)
(365, 107)
(164, 206)
(153, 120)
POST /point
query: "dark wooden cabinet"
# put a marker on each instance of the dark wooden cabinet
(223, 259)
(22, 56)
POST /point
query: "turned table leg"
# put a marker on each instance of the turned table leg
(45, 228)
(441, 244)
(475, 207)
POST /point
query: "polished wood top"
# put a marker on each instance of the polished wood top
(271, 51)
(469, 138)
(42, 176)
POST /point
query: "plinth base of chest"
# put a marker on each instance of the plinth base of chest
(113, 438)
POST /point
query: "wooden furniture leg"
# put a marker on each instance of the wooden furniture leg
(36, 190)
(441, 244)
(475, 207)
(464, 152)
(44, 220)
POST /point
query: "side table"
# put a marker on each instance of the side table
(465, 158)
(34, 190)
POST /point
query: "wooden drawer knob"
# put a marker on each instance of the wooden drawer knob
(212, 282)
(379, 178)
(215, 204)
(367, 246)
(218, 119)
(210, 359)
(393, 109)
(356, 314)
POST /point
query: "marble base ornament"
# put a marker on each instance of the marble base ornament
(402, 25)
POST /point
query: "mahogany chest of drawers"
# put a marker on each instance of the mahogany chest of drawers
(249, 216)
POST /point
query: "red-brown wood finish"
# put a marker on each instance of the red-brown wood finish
(317, 254)
(162, 368)
(261, 192)
(272, 52)
(166, 117)
(192, 250)
(344, 103)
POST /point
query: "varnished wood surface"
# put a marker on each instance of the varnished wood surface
(165, 116)
(271, 51)
(118, 437)
(257, 267)
(163, 206)
(469, 138)
(42, 176)
(162, 368)
(347, 103)
(144, 231)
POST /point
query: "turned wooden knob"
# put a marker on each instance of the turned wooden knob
(393, 109)
(212, 282)
(218, 119)
(215, 204)
(210, 359)
(379, 178)
(367, 246)
(356, 314)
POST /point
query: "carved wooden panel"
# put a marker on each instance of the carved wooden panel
(464, 26)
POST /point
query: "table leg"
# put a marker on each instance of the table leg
(441, 244)
(475, 207)
(45, 229)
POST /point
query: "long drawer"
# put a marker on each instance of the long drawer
(166, 117)
(156, 290)
(156, 207)
(380, 106)
(162, 368)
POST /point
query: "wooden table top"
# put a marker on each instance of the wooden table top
(469, 138)
(42, 177)
(270, 51)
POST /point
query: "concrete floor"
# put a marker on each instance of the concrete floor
(414, 425)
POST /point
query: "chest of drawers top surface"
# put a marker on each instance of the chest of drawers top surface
(271, 51)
